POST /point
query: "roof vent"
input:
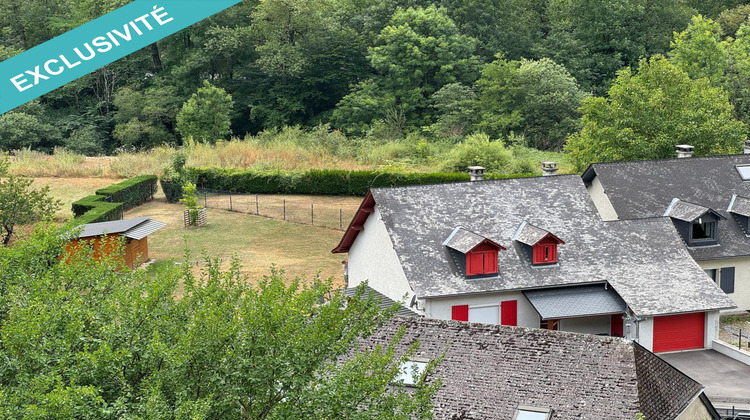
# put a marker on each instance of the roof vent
(476, 173)
(746, 149)
(549, 168)
(684, 150)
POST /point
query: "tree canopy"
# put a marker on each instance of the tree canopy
(649, 112)
(85, 339)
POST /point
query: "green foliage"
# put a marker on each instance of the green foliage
(132, 192)
(537, 99)
(87, 141)
(191, 202)
(145, 117)
(478, 150)
(28, 127)
(650, 112)
(174, 177)
(205, 116)
(699, 51)
(119, 197)
(730, 20)
(20, 204)
(314, 182)
(82, 340)
(456, 111)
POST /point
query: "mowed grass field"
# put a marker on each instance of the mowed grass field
(68, 190)
(258, 242)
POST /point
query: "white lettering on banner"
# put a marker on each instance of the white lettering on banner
(98, 44)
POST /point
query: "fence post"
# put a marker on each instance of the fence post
(256, 204)
(230, 201)
(205, 199)
(341, 218)
(739, 345)
(312, 214)
(284, 217)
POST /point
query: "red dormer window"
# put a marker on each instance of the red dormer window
(545, 251)
(482, 259)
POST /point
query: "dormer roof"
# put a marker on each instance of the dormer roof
(739, 205)
(688, 212)
(464, 240)
(531, 235)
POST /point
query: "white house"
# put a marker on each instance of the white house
(707, 199)
(532, 252)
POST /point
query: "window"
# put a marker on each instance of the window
(726, 279)
(703, 230)
(481, 262)
(488, 314)
(532, 413)
(545, 254)
(711, 273)
(411, 371)
(744, 171)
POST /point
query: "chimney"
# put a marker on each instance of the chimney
(476, 173)
(747, 147)
(684, 150)
(549, 168)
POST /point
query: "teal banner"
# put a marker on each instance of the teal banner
(94, 45)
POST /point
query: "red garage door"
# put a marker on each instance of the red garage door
(678, 332)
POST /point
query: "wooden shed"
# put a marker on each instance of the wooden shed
(99, 236)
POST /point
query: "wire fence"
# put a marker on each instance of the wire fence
(294, 209)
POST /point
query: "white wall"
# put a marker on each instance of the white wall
(601, 201)
(588, 325)
(440, 308)
(646, 333)
(712, 329)
(741, 295)
(372, 258)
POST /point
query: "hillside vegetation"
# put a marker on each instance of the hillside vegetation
(398, 82)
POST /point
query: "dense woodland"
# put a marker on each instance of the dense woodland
(601, 79)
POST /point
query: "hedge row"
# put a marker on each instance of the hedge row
(317, 182)
(132, 192)
(109, 203)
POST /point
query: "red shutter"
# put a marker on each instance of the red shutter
(474, 263)
(508, 312)
(490, 262)
(545, 253)
(460, 313)
(616, 330)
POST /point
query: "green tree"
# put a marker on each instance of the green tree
(27, 127)
(730, 20)
(82, 340)
(648, 113)
(456, 107)
(420, 51)
(537, 99)
(20, 204)
(700, 52)
(206, 115)
(145, 118)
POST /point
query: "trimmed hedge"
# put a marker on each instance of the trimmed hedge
(109, 203)
(172, 188)
(132, 192)
(318, 182)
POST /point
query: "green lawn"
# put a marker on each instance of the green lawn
(258, 241)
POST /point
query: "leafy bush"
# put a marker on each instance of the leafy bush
(477, 149)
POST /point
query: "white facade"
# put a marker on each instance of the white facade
(741, 295)
(601, 201)
(442, 308)
(372, 258)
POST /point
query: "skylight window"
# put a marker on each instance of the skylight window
(411, 371)
(532, 413)
(744, 171)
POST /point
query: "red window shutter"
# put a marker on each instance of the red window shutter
(474, 263)
(545, 254)
(508, 312)
(460, 313)
(490, 262)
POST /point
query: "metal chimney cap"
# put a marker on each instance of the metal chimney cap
(685, 147)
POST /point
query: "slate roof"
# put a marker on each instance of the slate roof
(739, 205)
(578, 301)
(136, 228)
(640, 189)
(628, 254)
(463, 240)
(687, 212)
(489, 370)
(529, 234)
(384, 302)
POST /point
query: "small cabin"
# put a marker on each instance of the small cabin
(135, 232)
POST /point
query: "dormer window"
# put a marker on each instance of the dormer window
(543, 244)
(697, 224)
(480, 252)
(739, 207)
